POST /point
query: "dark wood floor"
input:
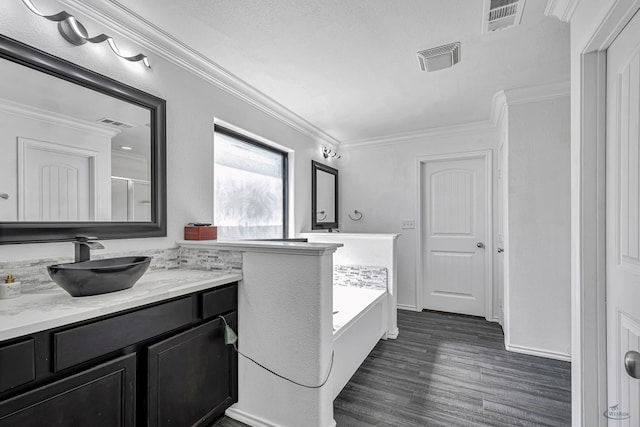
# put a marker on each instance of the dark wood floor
(450, 370)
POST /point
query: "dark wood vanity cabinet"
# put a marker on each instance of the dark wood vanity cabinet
(164, 364)
(190, 376)
(102, 396)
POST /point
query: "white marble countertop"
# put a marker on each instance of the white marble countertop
(45, 309)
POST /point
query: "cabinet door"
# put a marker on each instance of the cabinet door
(103, 396)
(192, 376)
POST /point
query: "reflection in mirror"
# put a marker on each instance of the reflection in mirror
(324, 196)
(325, 184)
(71, 153)
(82, 154)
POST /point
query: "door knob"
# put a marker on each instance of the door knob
(632, 364)
(500, 250)
(480, 245)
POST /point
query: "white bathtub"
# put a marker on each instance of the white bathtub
(358, 325)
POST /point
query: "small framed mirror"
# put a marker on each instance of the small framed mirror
(324, 197)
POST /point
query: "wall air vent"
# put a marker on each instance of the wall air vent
(501, 14)
(115, 123)
(439, 57)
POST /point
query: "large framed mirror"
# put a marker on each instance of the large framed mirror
(324, 197)
(81, 153)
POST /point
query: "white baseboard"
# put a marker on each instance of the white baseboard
(243, 417)
(407, 307)
(538, 352)
(392, 335)
(253, 421)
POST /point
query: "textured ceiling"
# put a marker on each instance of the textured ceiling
(349, 67)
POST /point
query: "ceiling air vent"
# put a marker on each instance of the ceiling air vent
(115, 123)
(501, 14)
(439, 57)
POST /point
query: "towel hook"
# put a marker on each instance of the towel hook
(359, 215)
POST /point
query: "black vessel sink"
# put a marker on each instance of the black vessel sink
(99, 276)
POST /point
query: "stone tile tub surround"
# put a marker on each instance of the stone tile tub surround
(33, 273)
(360, 276)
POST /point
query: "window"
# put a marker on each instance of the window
(250, 188)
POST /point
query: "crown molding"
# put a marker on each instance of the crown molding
(420, 135)
(498, 108)
(561, 9)
(537, 93)
(127, 23)
(501, 100)
(56, 119)
(504, 98)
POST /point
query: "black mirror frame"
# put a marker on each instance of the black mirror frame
(315, 225)
(36, 232)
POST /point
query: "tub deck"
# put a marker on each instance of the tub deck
(349, 303)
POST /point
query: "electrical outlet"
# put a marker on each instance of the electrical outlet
(408, 224)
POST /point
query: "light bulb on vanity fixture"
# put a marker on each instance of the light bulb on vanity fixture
(328, 153)
(75, 33)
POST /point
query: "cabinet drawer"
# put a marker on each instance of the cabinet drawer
(17, 364)
(219, 301)
(86, 342)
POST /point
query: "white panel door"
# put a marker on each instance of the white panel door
(55, 184)
(455, 200)
(623, 224)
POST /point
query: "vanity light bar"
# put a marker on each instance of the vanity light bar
(328, 153)
(75, 33)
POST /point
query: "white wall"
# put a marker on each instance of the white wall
(192, 105)
(538, 248)
(380, 181)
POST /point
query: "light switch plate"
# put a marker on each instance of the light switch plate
(408, 224)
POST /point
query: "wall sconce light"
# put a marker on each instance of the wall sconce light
(328, 153)
(75, 33)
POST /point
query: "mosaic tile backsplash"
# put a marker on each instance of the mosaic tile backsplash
(33, 273)
(360, 276)
(210, 259)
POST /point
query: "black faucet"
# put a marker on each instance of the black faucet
(83, 246)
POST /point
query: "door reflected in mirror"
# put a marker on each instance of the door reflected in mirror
(324, 196)
(70, 153)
